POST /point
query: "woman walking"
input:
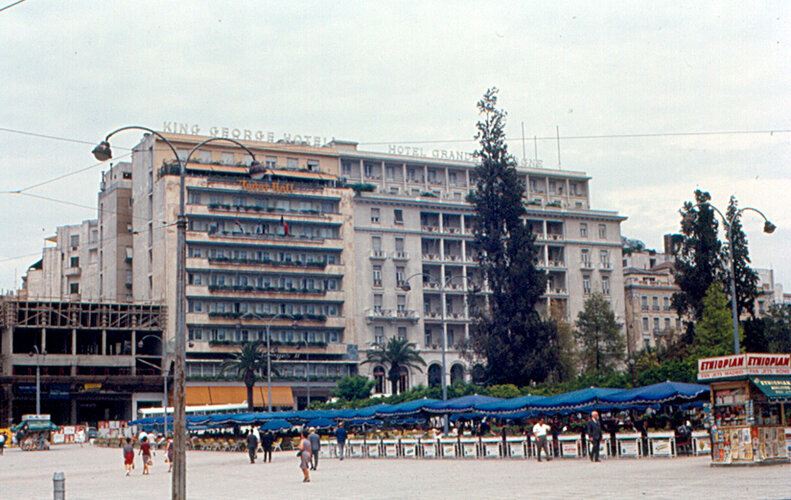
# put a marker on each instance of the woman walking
(145, 451)
(304, 456)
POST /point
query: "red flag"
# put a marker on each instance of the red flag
(285, 225)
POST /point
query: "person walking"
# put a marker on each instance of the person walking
(340, 436)
(129, 455)
(540, 431)
(593, 430)
(2, 442)
(252, 446)
(315, 447)
(266, 444)
(169, 454)
(304, 456)
(145, 452)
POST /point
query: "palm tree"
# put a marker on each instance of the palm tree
(398, 354)
(246, 363)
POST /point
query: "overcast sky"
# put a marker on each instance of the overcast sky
(399, 72)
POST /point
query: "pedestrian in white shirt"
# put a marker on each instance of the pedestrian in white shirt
(540, 431)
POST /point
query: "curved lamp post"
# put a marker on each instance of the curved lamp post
(442, 284)
(164, 372)
(769, 228)
(102, 152)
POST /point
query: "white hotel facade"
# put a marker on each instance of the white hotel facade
(359, 225)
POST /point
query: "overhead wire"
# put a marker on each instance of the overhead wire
(11, 5)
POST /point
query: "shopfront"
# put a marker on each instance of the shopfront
(749, 395)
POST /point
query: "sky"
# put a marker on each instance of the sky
(653, 100)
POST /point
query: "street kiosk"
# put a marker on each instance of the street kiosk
(747, 414)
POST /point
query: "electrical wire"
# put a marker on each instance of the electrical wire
(11, 5)
(59, 177)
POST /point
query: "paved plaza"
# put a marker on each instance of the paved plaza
(97, 473)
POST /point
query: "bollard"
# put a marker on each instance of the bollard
(59, 486)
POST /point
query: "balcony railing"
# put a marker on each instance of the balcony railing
(400, 255)
(377, 254)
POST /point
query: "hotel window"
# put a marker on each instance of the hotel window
(378, 302)
(292, 163)
(586, 284)
(605, 285)
(399, 244)
(390, 172)
(379, 335)
(377, 275)
(313, 164)
(271, 161)
(645, 324)
(586, 257)
(369, 170)
(401, 303)
(583, 229)
(604, 258)
(402, 332)
(376, 244)
(398, 216)
(227, 158)
(400, 275)
(374, 215)
(346, 169)
(602, 231)
(205, 156)
(452, 178)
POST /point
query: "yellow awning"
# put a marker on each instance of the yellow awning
(220, 395)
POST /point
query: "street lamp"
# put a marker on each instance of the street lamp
(769, 228)
(269, 351)
(102, 152)
(404, 285)
(35, 352)
(307, 371)
(163, 369)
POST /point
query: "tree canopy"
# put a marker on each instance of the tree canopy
(714, 330)
(600, 337)
(507, 334)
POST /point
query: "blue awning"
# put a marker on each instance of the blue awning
(582, 399)
(663, 392)
(464, 404)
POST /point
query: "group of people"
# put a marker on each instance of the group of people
(310, 447)
(145, 453)
(593, 430)
(266, 441)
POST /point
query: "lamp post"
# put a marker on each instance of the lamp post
(35, 352)
(442, 284)
(164, 372)
(102, 152)
(269, 351)
(769, 228)
(307, 372)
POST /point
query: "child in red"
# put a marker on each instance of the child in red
(145, 451)
(129, 455)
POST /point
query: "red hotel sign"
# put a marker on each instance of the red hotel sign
(741, 365)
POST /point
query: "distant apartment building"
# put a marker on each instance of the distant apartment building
(115, 234)
(67, 271)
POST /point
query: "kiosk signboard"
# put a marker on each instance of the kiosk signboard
(743, 365)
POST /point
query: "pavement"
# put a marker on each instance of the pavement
(98, 473)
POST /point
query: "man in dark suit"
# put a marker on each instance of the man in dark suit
(593, 430)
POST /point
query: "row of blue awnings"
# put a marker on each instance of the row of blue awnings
(472, 406)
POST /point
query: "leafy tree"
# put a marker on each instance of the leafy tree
(599, 334)
(746, 277)
(397, 354)
(699, 256)
(564, 345)
(714, 330)
(354, 387)
(246, 363)
(508, 334)
(778, 334)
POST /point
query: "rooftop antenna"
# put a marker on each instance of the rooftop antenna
(557, 132)
(524, 152)
(535, 149)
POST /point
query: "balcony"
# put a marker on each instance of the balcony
(400, 255)
(605, 265)
(431, 256)
(557, 263)
(429, 229)
(554, 236)
(432, 315)
(453, 230)
(377, 255)
(586, 264)
(72, 271)
(453, 258)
